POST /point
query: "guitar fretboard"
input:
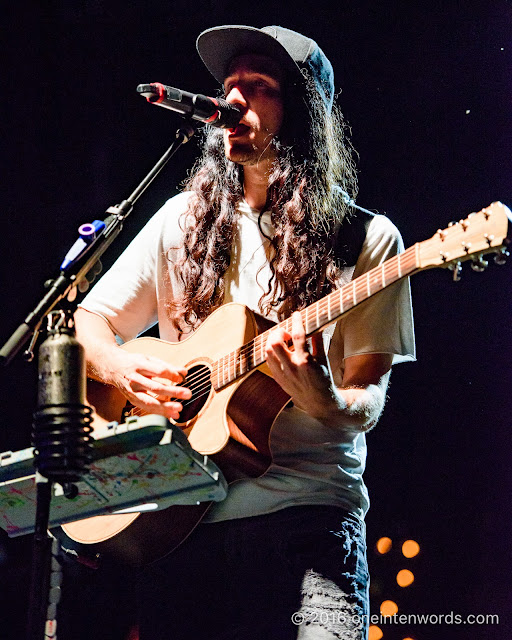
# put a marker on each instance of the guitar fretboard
(317, 315)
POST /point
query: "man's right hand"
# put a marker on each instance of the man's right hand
(148, 382)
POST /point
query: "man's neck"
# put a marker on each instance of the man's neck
(256, 184)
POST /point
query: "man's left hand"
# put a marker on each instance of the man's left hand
(298, 370)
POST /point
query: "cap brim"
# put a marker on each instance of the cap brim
(219, 45)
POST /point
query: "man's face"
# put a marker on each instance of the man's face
(254, 84)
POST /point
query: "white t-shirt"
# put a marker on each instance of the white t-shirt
(311, 463)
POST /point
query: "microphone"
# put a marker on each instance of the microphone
(214, 111)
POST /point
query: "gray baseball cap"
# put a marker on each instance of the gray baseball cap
(293, 51)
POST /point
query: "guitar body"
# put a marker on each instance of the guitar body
(231, 425)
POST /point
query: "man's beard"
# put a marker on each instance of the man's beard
(247, 154)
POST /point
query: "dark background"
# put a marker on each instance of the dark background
(426, 88)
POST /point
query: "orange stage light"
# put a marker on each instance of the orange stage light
(384, 545)
(405, 578)
(374, 632)
(410, 548)
(388, 608)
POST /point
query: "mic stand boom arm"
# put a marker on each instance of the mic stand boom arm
(76, 271)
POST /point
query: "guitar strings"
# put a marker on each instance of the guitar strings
(236, 358)
(136, 411)
(244, 357)
(201, 382)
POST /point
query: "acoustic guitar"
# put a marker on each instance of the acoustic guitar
(235, 400)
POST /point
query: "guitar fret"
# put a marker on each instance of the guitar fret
(221, 365)
(322, 317)
(396, 269)
(347, 298)
(376, 284)
(239, 362)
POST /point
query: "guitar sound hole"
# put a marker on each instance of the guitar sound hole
(199, 382)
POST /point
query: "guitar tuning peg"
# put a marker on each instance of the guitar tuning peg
(501, 256)
(456, 267)
(479, 264)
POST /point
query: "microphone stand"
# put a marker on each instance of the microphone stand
(78, 269)
(62, 421)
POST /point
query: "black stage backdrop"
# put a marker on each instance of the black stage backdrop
(426, 88)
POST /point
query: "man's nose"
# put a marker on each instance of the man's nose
(236, 96)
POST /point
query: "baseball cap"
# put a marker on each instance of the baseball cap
(293, 51)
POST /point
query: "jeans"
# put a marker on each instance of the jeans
(299, 573)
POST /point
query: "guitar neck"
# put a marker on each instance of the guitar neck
(317, 315)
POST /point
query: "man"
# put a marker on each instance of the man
(262, 222)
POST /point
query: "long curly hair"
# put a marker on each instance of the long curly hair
(315, 161)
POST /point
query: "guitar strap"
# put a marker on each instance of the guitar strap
(349, 237)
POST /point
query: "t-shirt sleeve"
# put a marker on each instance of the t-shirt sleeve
(127, 295)
(384, 322)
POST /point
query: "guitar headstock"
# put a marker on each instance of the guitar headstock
(484, 232)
